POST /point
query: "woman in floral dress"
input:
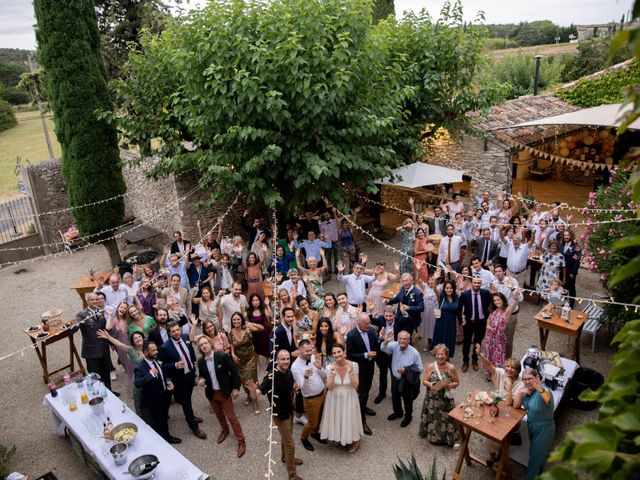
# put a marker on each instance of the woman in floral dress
(406, 233)
(553, 263)
(440, 377)
(313, 277)
(494, 345)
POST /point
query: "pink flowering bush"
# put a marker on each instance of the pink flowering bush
(597, 239)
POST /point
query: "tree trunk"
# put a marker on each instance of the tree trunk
(114, 254)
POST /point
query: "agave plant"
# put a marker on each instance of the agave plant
(411, 471)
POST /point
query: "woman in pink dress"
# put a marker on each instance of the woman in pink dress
(494, 345)
(420, 272)
(118, 326)
(253, 276)
(381, 283)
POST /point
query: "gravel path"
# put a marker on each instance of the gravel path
(25, 422)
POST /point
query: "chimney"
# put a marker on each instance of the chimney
(537, 76)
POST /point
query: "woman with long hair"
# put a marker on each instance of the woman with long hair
(146, 298)
(326, 338)
(238, 255)
(406, 247)
(428, 323)
(306, 319)
(244, 356)
(219, 340)
(444, 331)
(138, 321)
(330, 307)
(259, 313)
(203, 297)
(494, 344)
(262, 248)
(118, 328)
(313, 276)
(253, 275)
(420, 250)
(381, 283)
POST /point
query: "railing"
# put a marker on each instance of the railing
(17, 219)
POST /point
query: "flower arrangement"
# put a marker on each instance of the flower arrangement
(597, 240)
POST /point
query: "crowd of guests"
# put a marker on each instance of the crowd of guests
(213, 298)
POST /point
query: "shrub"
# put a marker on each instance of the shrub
(518, 72)
(592, 56)
(7, 117)
(15, 96)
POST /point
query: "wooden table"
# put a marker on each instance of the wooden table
(86, 285)
(499, 432)
(572, 328)
(55, 335)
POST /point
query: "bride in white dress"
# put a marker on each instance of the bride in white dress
(341, 421)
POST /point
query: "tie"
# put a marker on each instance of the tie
(449, 252)
(290, 336)
(157, 367)
(476, 307)
(485, 254)
(186, 356)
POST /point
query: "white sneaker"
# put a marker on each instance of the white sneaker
(113, 375)
(302, 420)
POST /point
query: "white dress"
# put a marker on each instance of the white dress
(341, 421)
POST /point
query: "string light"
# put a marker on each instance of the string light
(412, 258)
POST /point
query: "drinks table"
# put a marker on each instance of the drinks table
(571, 328)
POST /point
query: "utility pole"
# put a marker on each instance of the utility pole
(44, 122)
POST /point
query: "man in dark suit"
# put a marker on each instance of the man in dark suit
(178, 359)
(253, 230)
(221, 386)
(179, 246)
(159, 334)
(156, 390)
(438, 224)
(95, 351)
(474, 311)
(411, 304)
(485, 248)
(363, 347)
(284, 339)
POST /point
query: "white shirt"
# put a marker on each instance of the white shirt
(288, 285)
(456, 242)
(407, 358)
(485, 275)
(186, 361)
(211, 366)
(517, 257)
(355, 286)
(314, 384)
(229, 305)
(159, 369)
(330, 228)
(507, 286)
(365, 340)
(114, 297)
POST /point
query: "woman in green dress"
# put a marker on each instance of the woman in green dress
(440, 378)
(139, 321)
(538, 402)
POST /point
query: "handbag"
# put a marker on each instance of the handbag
(437, 312)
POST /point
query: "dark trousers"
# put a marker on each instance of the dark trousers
(384, 365)
(182, 390)
(159, 411)
(101, 366)
(473, 333)
(570, 285)
(365, 379)
(400, 399)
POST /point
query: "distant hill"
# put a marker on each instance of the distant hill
(14, 55)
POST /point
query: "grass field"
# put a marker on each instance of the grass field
(551, 49)
(25, 140)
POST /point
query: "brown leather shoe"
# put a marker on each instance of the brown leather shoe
(465, 367)
(296, 461)
(475, 366)
(200, 434)
(222, 436)
(242, 447)
(198, 419)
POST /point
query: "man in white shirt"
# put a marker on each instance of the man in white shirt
(449, 253)
(510, 288)
(346, 316)
(329, 229)
(478, 272)
(227, 305)
(309, 373)
(294, 285)
(355, 283)
(114, 293)
(517, 258)
(405, 361)
(486, 197)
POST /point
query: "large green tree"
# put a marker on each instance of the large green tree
(382, 9)
(69, 43)
(288, 100)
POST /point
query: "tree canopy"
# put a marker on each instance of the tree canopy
(288, 100)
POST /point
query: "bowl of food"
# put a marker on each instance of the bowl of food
(124, 432)
(143, 467)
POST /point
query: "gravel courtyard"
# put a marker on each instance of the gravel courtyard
(25, 423)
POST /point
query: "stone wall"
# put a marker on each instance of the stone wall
(489, 169)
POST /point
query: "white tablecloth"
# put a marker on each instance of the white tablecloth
(88, 427)
(521, 453)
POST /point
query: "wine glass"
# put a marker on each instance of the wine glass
(480, 405)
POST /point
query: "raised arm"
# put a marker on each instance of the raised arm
(103, 334)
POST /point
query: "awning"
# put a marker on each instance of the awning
(420, 174)
(602, 116)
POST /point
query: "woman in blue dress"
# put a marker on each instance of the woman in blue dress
(445, 329)
(538, 403)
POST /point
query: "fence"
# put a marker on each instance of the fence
(17, 219)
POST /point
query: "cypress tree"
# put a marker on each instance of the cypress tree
(69, 45)
(382, 9)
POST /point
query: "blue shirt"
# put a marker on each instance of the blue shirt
(407, 358)
(312, 247)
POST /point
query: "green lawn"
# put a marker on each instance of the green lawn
(25, 140)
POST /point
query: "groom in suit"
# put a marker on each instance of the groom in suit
(363, 347)
(473, 309)
(411, 304)
(221, 386)
(179, 360)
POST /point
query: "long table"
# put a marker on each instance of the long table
(520, 453)
(87, 428)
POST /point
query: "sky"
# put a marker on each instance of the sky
(17, 18)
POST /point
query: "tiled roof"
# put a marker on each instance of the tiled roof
(519, 110)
